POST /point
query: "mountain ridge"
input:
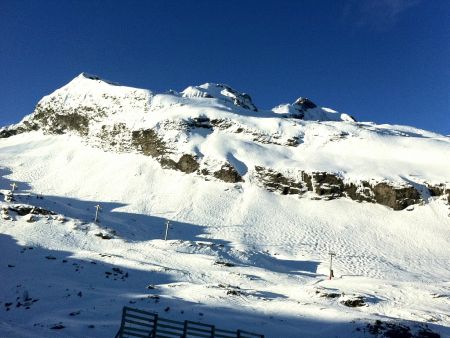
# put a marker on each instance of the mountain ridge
(202, 130)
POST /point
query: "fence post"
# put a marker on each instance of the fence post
(185, 327)
(97, 208)
(332, 254)
(213, 331)
(122, 323)
(167, 230)
(155, 322)
(238, 333)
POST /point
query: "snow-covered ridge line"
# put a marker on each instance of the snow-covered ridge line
(216, 132)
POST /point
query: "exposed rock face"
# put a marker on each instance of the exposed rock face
(326, 184)
(275, 181)
(200, 122)
(148, 142)
(52, 123)
(58, 121)
(16, 130)
(187, 164)
(439, 190)
(396, 198)
(359, 192)
(330, 186)
(8, 132)
(436, 190)
(228, 174)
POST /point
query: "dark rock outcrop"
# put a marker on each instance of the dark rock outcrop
(5, 133)
(439, 190)
(200, 122)
(330, 186)
(359, 192)
(399, 330)
(397, 198)
(56, 123)
(16, 130)
(308, 181)
(436, 190)
(385, 193)
(327, 184)
(355, 302)
(148, 142)
(293, 141)
(228, 174)
(187, 164)
(23, 210)
(275, 181)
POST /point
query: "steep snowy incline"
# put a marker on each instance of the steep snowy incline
(237, 255)
(256, 199)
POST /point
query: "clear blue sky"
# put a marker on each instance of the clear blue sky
(386, 61)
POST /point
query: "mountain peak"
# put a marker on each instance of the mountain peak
(87, 76)
(221, 92)
(304, 103)
(305, 109)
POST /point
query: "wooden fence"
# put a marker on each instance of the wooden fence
(144, 324)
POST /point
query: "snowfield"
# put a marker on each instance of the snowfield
(237, 255)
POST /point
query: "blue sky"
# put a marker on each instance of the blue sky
(386, 61)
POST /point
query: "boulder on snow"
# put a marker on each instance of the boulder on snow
(228, 173)
(354, 302)
(187, 163)
(30, 218)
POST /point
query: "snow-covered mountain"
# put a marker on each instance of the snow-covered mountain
(217, 132)
(257, 198)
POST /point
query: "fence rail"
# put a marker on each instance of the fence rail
(144, 324)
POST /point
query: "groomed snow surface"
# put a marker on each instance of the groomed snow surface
(237, 256)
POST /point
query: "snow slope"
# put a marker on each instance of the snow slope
(238, 255)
